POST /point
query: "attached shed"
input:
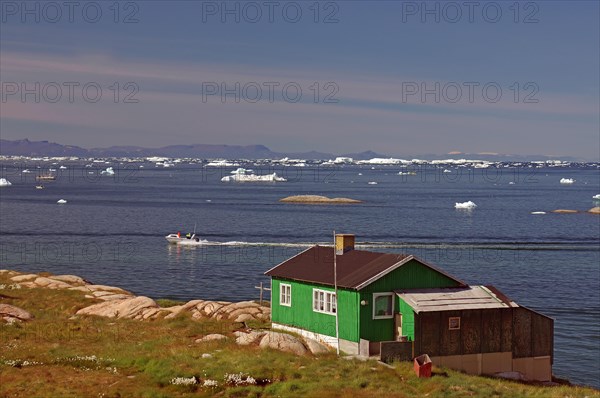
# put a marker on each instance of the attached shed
(478, 330)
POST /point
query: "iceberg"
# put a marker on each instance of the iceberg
(383, 161)
(108, 172)
(241, 170)
(222, 163)
(242, 177)
(567, 181)
(343, 160)
(465, 205)
(61, 201)
(4, 182)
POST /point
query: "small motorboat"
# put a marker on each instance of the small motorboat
(178, 238)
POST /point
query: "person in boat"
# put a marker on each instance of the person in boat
(188, 235)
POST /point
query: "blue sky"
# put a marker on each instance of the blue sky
(389, 76)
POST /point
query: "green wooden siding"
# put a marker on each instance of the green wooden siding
(301, 314)
(412, 275)
(408, 319)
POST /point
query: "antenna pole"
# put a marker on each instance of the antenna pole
(337, 309)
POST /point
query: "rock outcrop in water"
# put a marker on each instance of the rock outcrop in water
(318, 200)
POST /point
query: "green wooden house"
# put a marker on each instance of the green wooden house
(304, 299)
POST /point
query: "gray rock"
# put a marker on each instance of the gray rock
(23, 278)
(248, 338)
(134, 307)
(211, 337)
(283, 342)
(8, 311)
(72, 279)
(315, 347)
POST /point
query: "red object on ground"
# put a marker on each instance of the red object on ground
(422, 365)
(179, 234)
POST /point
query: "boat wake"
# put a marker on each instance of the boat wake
(407, 245)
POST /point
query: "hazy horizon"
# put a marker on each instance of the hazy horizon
(339, 77)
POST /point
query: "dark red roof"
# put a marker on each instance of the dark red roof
(353, 268)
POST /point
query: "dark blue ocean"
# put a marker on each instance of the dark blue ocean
(112, 231)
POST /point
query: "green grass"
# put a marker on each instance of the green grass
(99, 357)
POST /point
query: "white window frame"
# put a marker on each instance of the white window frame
(282, 294)
(324, 301)
(375, 296)
(457, 324)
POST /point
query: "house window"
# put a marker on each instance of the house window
(383, 305)
(454, 323)
(285, 294)
(324, 301)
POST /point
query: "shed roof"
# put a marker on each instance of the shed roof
(452, 299)
(355, 268)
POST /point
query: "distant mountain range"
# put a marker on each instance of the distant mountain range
(45, 148)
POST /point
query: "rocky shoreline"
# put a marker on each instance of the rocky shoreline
(114, 302)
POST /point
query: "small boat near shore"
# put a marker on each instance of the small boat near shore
(178, 238)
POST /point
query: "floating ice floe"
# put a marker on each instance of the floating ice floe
(447, 171)
(538, 212)
(243, 171)
(407, 173)
(465, 205)
(222, 163)
(26, 171)
(372, 182)
(567, 181)
(596, 197)
(61, 201)
(62, 168)
(253, 178)
(108, 172)
(4, 182)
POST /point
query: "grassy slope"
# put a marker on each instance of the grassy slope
(139, 359)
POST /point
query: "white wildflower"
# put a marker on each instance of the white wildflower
(184, 381)
(239, 379)
(210, 383)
